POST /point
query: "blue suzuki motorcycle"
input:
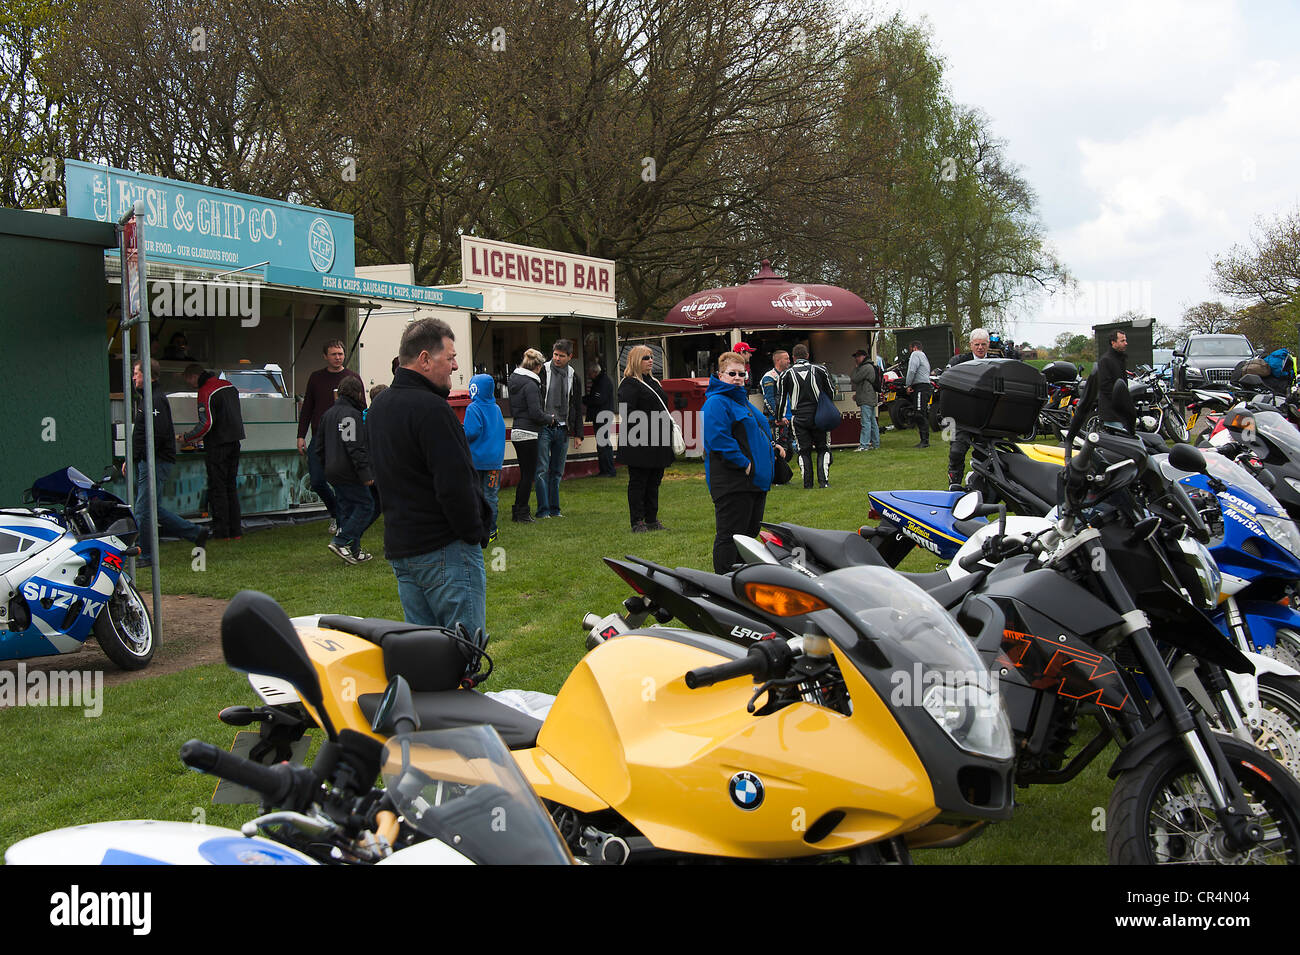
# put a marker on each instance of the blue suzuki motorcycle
(62, 576)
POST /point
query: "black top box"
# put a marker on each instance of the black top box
(997, 397)
(1059, 371)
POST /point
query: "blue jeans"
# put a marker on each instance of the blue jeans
(316, 468)
(173, 525)
(490, 482)
(552, 450)
(444, 587)
(356, 512)
(870, 427)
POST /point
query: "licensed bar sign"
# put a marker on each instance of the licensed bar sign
(488, 264)
(214, 228)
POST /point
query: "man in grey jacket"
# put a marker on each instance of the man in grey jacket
(866, 383)
(918, 385)
(562, 405)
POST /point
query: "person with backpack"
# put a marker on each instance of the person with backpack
(866, 393)
(801, 388)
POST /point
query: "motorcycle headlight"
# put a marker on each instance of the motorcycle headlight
(970, 712)
(1197, 556)
(1194, 373)
(1282, 530)
(1147, 423)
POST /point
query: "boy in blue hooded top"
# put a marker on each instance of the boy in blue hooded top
(738, 456)
(485, 429)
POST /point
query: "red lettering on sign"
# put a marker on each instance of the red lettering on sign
(494, 262)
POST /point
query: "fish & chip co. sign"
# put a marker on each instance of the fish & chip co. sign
(197, 225)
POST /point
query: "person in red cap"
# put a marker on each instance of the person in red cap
(744, 349)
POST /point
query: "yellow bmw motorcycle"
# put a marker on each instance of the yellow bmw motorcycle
(877, 731)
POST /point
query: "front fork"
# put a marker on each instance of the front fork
(1201, 745)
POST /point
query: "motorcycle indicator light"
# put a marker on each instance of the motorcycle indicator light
(782, 601)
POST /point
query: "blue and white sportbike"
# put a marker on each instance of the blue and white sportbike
(62, 575)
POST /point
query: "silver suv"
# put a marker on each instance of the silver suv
(1206, 360)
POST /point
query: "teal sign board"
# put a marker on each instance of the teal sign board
(357, 287)
(196, 225)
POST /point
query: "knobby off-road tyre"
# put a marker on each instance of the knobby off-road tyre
(1161, 813)
(123, 628)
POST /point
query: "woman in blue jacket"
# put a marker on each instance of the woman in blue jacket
(738, 457)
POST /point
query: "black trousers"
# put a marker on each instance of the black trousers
(957, 456)
(922, 396)
(643, 494)
(223, 494)
(738, 513)
(813, 444)
(605, 457)
(526, 453)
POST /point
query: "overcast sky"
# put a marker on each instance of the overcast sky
(1155, 133)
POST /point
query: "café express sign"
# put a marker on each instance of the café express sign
(196, 225)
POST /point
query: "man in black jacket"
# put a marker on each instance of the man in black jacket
(799, 388)
(347, 468)
(979, 348)
(562, 405)
(164, 450)
(1111, 367)
(435, 518)
(221, 427)
(600, 398)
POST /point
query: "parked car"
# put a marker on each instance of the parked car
(1205, 360)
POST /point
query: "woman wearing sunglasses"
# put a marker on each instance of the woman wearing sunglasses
(738, 458)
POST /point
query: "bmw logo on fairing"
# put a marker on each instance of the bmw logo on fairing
(746, 790)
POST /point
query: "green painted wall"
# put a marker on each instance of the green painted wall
(54, 405)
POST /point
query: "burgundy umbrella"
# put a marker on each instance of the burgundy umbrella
(769, 301)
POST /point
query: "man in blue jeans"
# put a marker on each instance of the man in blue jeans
(164, 450)
(562, 408)
(435, 518)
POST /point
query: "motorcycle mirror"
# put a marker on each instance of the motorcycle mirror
(396, 713)
(1266, 478)
(1187, 458)
(257, 636)
(752, 551)
(967, 505)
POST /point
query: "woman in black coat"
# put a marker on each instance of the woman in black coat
(528, 420)
(645, 444)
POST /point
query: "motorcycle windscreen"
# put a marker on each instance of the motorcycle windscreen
(462, 787)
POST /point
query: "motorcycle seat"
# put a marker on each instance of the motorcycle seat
(1038, 477)
(835, 550)
(449, 709)
(428, 658)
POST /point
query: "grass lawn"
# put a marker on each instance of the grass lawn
(65, 769)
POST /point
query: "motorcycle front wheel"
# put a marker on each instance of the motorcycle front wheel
(1287, 648)
(1279, 731)
(1160, 812)
(1173, 426)
(123, 628)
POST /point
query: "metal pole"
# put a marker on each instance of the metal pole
(128, 419)
(146, 375)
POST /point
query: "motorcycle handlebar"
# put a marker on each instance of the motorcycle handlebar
(764, 659)
(707, 676)
(273, 782)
